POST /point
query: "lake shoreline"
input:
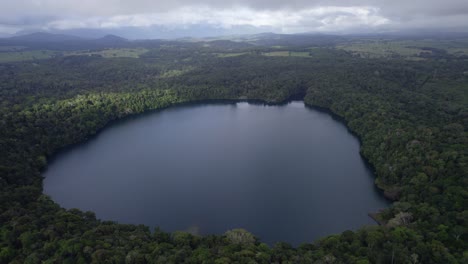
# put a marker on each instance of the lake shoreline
(255, 106)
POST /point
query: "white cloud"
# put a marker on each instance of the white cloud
(7, 29)
(287, 16)
(314, 19)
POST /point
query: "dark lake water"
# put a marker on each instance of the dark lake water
(285, 173)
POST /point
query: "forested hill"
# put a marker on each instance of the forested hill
(407, 103)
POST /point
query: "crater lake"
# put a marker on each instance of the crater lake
(286, 173)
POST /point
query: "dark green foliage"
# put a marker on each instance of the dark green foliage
(410, 116)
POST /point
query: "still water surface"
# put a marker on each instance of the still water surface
(285, 173)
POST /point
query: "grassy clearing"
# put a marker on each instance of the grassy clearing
(379, 49)
(12, 56)
(11, 48)
(454, 47)
(112, 53)
(26, 55)
(233, 54)
(175, 72)
(458, 51)
(286, 53)
(408, 48)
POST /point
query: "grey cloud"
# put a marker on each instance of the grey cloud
(98, 13)
(119, 7)
(26, 20)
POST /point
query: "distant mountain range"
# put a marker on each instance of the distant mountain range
(156, 31)
(51, 41)
(200, 32)
(44, 37)
(50, 37)
(44, 40)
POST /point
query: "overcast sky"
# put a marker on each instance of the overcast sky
(281, 16)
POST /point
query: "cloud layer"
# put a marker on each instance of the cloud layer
(290, 16)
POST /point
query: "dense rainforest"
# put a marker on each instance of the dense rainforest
(411, 116)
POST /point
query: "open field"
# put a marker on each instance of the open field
(286, 53)
(454, 47)
(233, 54)
(11, 48)
(12, 53)
(26, 55)
(379, 49)
(410, 49)
(112, 53)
